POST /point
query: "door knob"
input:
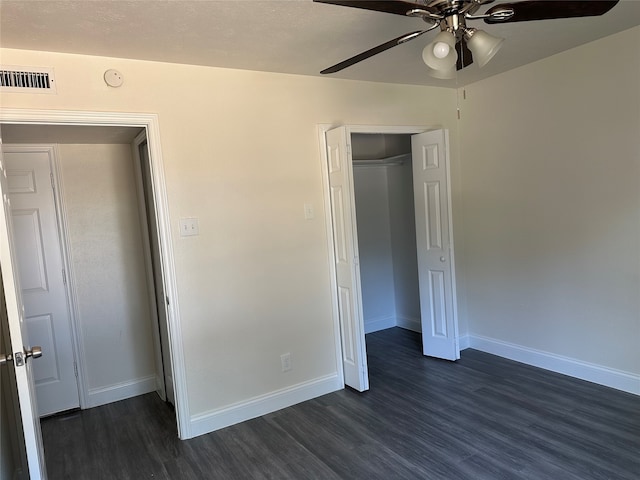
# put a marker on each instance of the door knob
(21, 357)
(35, 352)
(443, 259)
(5, 358)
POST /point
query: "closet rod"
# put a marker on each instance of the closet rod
(381, 162)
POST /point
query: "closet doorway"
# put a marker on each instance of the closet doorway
(390, 216)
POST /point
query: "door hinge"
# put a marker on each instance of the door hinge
(348, 149)
(167, 299)
(75, 369)
(51, 177)
(64, 276)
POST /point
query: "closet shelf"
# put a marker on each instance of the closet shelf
(382, 162)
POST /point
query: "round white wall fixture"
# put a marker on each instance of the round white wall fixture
(113, 78)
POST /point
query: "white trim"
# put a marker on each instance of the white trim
(379, 323)
(392, 129)
(151, 123)
(452, 259)
(409, 323)
(263, 404)
(609, 377)
(176, 352)
(464, 342)
(121, 391)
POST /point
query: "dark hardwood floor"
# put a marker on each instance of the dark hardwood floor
(482, 417)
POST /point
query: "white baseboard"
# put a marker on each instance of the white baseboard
(379, 323)
(409, 323)
(121, 391)
(609, 377)
(464, 342)
(216, 419)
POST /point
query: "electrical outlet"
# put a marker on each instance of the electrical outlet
(285, 360)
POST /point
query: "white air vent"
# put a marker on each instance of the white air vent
(27, 79)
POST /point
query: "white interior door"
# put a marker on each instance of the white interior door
(30, 461)
(41, 273)
(155, 274)
(431, 186)
(354, 355)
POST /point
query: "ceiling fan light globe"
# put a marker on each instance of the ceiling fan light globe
(449, 58)
(483, 45)
(446, 37)
(439, 63)
(441, 49)
(444, 74)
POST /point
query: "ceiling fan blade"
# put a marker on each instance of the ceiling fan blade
(391, 6)
(373, 51)
(546, 10)
(465, 57)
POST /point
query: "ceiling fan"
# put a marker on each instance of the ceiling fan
(455, 47)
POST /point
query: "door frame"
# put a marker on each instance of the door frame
(322, 141)
(150, 123)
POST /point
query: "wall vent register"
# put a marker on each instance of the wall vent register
(27, 79)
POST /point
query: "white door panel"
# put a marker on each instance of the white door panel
(41, 270)
(29, 251)
(354, 356)
(26, 429)
(155, 271)
(434, 242)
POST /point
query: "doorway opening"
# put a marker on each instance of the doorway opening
(416, 290)
(98, 242)
(28, 423)
(385, 218)
(386, 232)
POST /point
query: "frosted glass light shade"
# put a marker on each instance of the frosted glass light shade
(482, 45)
(439, 62)
(445, 74)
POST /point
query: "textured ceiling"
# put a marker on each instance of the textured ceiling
(287, 36)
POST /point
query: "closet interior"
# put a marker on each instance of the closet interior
(386, 232)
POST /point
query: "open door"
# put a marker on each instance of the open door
(18, 358)
(155, 272)
(431, 188)
(345, 241)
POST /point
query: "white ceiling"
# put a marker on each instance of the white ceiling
(287, 36)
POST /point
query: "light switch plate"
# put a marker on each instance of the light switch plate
(189, 227)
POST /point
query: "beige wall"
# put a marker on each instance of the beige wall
(241, 153)
(103, 226)
(551, 181)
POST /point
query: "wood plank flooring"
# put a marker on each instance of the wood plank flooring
(482, 417)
